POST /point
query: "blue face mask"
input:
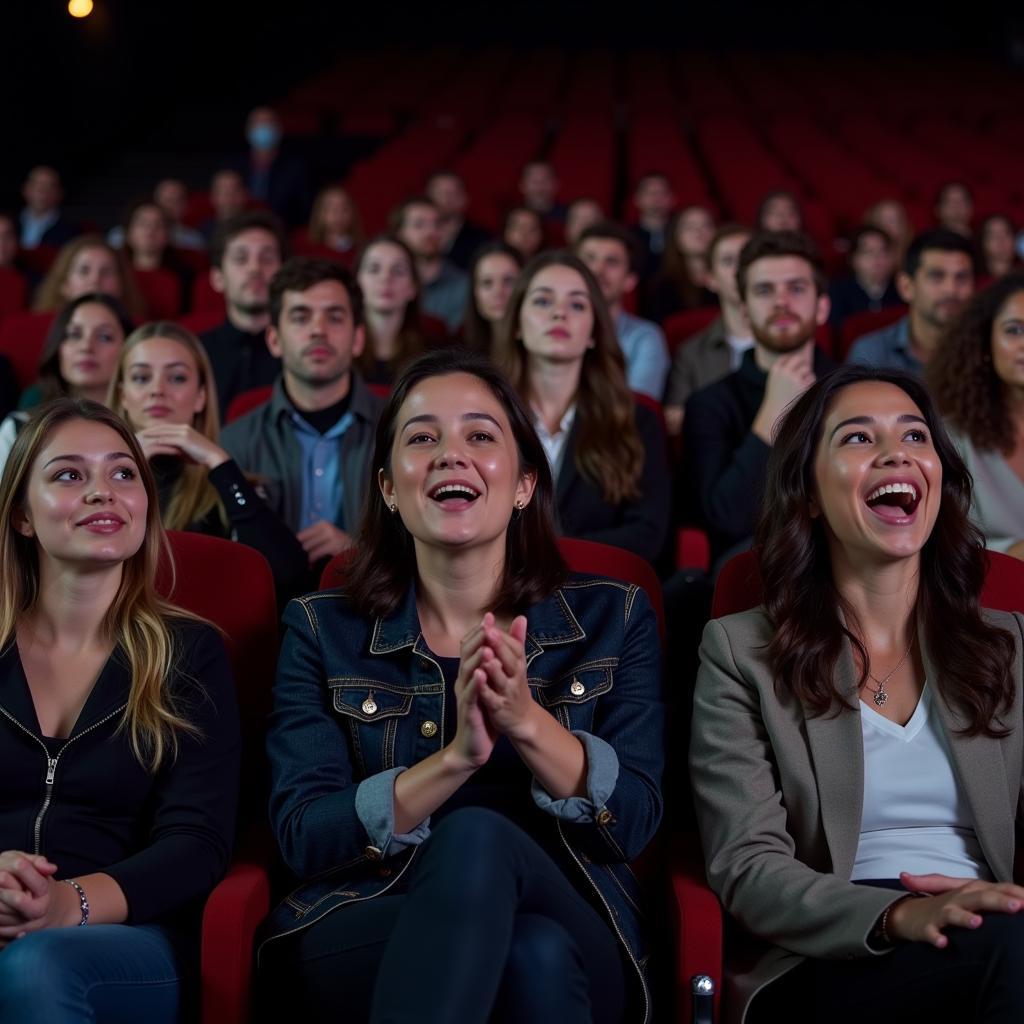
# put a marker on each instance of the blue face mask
(263, 136)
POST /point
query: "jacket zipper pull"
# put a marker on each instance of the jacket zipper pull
(51, 768)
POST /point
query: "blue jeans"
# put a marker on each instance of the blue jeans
(107, 973)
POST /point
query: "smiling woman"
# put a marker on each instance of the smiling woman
(491, 739)
(848, 734)
(119, 746)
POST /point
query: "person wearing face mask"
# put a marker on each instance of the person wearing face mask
(163, 387)
(78, 359)
(273, 176)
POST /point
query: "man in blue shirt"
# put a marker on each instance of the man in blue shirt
(937, 281)
(311, 443)
(609, 252)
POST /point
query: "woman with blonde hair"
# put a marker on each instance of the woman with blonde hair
(163, 386)
(88, 264)
(120, 747)
(557, 345)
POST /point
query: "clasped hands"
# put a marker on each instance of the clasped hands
(30, 899)
(492, 692)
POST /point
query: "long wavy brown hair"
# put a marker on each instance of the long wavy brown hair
(385, 562)
(50, 296)
(812, 621)
(962, 375)
(138, 620)
(609, 451)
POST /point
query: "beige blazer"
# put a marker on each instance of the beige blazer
(779, 796)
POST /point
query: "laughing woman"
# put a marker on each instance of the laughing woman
(857, 741)
(118, 737)
(466, 743)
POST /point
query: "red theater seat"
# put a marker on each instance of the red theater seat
(22, 336)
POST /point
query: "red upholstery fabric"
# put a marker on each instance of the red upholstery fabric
(231, 585)
(204, 297)
(161, 290)
(681, 326)
(859, 324)
(246, 401)
(13, 291)
(22, 336)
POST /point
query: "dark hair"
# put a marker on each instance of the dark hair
(227, 231)
(768, 197)
(766, 244)
(675, 268)
(608, 230)
(608, 448)
(444, 172)
(941, 239)
(807, 610)
(385, 562)
(722, 232)
(865, 231)
(301, 273)
(648, 176)
(476, 329)
(962, 375)
(397, 218)
(947, 185)
(50, 380)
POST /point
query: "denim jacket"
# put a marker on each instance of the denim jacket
(356, 702)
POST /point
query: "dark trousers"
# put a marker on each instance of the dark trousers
(489, 929)
(978, 977)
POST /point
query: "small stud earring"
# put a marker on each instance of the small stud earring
(519, 505)
(392, 508)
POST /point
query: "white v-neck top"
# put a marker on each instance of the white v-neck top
(915, 816)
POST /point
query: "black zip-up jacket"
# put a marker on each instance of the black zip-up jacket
(87, 804)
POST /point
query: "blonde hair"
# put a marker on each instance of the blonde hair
(137, 619)
(50, 295)
(193, 497)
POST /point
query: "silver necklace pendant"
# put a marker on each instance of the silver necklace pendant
(880, 696)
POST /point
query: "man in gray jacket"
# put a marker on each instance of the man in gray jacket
(310, 445)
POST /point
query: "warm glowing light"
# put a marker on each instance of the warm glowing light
(79, 8)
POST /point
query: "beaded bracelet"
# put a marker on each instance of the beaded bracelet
(83, 900)
(883, 924)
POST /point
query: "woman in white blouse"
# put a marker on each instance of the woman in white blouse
(977, 378)
(857, 744)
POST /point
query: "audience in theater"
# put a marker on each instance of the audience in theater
(977, 378)
(272, 176)
(523, 229)
(855, 752)
(654, 201)
(729, 426)
(334, 222)
(444, 287)
(229, 198)
(472, 853)
(779, 210)
(171, 195)
(997, 248)
(460, 238)
(954, 208)
(607, 452)
(609, 251)
(891, 216)
(42, 222)
(394, 330)
(681, 281)
(310, 444)
(936, 282)
(581, 214)
(162, 277)
(163, 387)
(492, 274)
(718, 349)
(85, 265)
(539, 186)
(245, 253)
(79, 358)
(870, 284)
(119, 759)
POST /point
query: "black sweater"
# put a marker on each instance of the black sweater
(164, 838)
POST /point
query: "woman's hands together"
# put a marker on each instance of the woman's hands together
(491, 689)
(30, 899)
(959, 902)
